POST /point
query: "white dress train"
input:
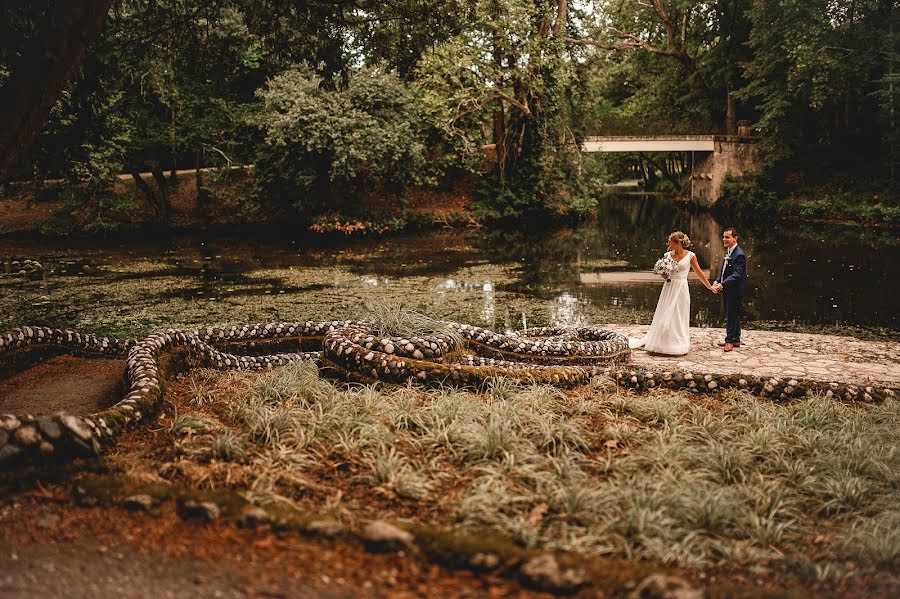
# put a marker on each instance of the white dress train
(670, 331)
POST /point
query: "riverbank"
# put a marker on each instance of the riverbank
(226, 203)
(842, 204)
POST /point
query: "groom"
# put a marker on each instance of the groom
(732, 282)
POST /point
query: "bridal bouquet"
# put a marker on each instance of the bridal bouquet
(664, 267)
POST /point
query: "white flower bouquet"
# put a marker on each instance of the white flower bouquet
(664, 267)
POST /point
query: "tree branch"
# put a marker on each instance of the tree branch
(501, 94)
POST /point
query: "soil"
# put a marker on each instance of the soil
(76, 385)
(54, 550)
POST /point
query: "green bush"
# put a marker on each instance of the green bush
(890, 214)
(748, 196)
(323, 146)
(814, 208)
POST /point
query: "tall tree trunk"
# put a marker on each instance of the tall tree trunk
(500, 135)
(41, 73)
(730, 118)
(162, 186)
(155, 206)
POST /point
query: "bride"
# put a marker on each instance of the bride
(670, 330)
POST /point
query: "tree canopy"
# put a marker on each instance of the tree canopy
(338, 95)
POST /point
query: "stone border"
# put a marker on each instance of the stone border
(479, 552)
(762, 386)
(562, 357)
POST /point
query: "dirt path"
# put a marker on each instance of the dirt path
(49, 548)
(827, 358)
(76, 385)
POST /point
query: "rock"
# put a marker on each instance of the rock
(46, 448)
(140, 502)
(204, 510)
(382, 535)
(9, 452)
(485, 561)
(74, 424)
(545, 572)
(9, 422)
(325, 528)
(49, 427)
(253, 516)
(27, 435)
(660, 586)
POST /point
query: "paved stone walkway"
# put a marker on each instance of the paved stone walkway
(827, 358)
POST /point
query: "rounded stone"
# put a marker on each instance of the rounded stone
(253, 516)
(9, 422)
(324, 528)
(546, 572)
(27, 435)
(49, 427)
(9, 452)
(139, 502)
(383, 535)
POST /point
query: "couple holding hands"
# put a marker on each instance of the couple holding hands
(669, 332)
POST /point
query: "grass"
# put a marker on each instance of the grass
(664, 476)
(394, 318)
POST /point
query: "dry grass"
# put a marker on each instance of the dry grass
(662, 477)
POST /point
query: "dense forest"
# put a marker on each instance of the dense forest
(331, 100)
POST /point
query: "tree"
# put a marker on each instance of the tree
(63, 32)
(508, 67)
(324, 148)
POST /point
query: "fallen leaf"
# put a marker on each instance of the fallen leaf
(537, 514)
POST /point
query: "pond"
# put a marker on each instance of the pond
(802, 277)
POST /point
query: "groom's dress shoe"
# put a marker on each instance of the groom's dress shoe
(729, 346)
(735, 344)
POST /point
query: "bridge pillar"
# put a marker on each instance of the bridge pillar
(732, 156)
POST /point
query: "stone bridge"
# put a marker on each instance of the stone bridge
(713, 157)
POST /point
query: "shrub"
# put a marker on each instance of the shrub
(748, 196)
(322, 145)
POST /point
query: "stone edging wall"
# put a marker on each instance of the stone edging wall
(562, 357)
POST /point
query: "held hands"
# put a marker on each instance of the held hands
(716, 287)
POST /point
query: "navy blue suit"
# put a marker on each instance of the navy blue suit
(734, 287)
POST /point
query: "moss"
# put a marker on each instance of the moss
(111, 489)
(29, 475)
(460, 550)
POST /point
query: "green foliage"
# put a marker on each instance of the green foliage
(321, 144)
(372, 97)
(846, 207)
(748, 197)
(814, 80)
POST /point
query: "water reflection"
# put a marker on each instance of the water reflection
(797, 273)
(509, 279)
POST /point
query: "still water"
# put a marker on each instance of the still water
(594, 272)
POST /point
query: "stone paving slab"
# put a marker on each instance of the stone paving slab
(827, 358)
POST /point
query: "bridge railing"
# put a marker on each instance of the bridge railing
(608, 126)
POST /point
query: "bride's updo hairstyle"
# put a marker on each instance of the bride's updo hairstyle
(681, 238)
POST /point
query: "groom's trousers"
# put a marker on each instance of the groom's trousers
(733, 303)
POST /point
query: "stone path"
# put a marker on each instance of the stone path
(828, 358)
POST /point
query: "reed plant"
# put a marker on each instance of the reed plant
(659, 476)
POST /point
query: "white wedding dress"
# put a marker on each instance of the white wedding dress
(670, 331)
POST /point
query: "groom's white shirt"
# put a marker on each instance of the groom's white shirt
(727, 257)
